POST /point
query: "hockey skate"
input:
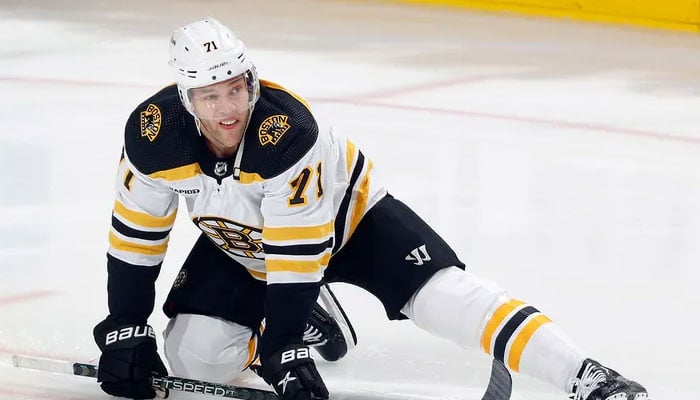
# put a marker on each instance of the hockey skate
(329, 330)
(596, 382)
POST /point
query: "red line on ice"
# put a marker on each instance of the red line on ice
(515, 118)
(18, 298)
(32, 395)
(358, 101)
(71, 82)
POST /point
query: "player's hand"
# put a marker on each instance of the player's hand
(129, 359)
(292, 373)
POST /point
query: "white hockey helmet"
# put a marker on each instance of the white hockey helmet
(207, 52)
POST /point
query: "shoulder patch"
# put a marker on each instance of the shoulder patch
(160, 134)
(150, 122)
(281, 131)
(272, 129)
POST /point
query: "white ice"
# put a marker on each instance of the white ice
(559, 159)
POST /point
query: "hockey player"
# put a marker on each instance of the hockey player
(285, 203)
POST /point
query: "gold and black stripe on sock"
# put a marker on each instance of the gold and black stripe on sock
(509, 330)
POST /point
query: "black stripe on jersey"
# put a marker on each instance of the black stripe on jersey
(127, 180)
(299, 249)
(345, 204)
(499, 348)
(135, 233)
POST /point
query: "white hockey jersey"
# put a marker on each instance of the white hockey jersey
(300, 192)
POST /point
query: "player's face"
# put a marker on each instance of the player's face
(222, 109)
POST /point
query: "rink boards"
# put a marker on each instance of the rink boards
(683, 15)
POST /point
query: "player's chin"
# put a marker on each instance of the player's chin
(231, 137)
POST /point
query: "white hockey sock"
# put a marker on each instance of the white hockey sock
(551, 356)
(473, 312)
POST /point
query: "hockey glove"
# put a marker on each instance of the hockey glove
(293, 374)
(129, 359)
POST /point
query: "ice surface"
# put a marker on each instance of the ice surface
(558, 159)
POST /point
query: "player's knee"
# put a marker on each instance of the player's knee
(454, 304)
(207, 348)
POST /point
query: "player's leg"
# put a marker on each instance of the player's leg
(416, 274)
(526, 340)
(215, 308)
(208, 348)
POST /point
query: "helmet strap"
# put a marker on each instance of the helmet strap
(198, 123)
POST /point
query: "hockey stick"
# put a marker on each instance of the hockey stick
(158, 382)
(499, 387)
(500, 382)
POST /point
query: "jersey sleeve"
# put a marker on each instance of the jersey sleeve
(297, 239)
(143, 215)
(298, 217)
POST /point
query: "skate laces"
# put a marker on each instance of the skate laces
(592, 377)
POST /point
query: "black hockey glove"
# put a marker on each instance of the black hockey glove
(293, 374)
(129, 359)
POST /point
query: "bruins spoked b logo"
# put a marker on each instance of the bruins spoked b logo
(180, 279)
(232, 237)
(150, 122)
(272, 129)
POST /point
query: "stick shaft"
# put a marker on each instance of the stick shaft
(499, 388)
(500, 382)
(160, 382)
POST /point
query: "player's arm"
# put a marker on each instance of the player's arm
(142, 218)
(297, 240)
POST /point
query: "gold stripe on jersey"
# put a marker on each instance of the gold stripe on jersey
(257, 274)
(250, 177)
(298, 232)
(349, 206)
(361, 202)
(299, 266)
(252, 351)
(518, 345)
(149, 250)
(179, 173)
(273, 85)
(349, 155)
(142, 219)
(495, 322)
